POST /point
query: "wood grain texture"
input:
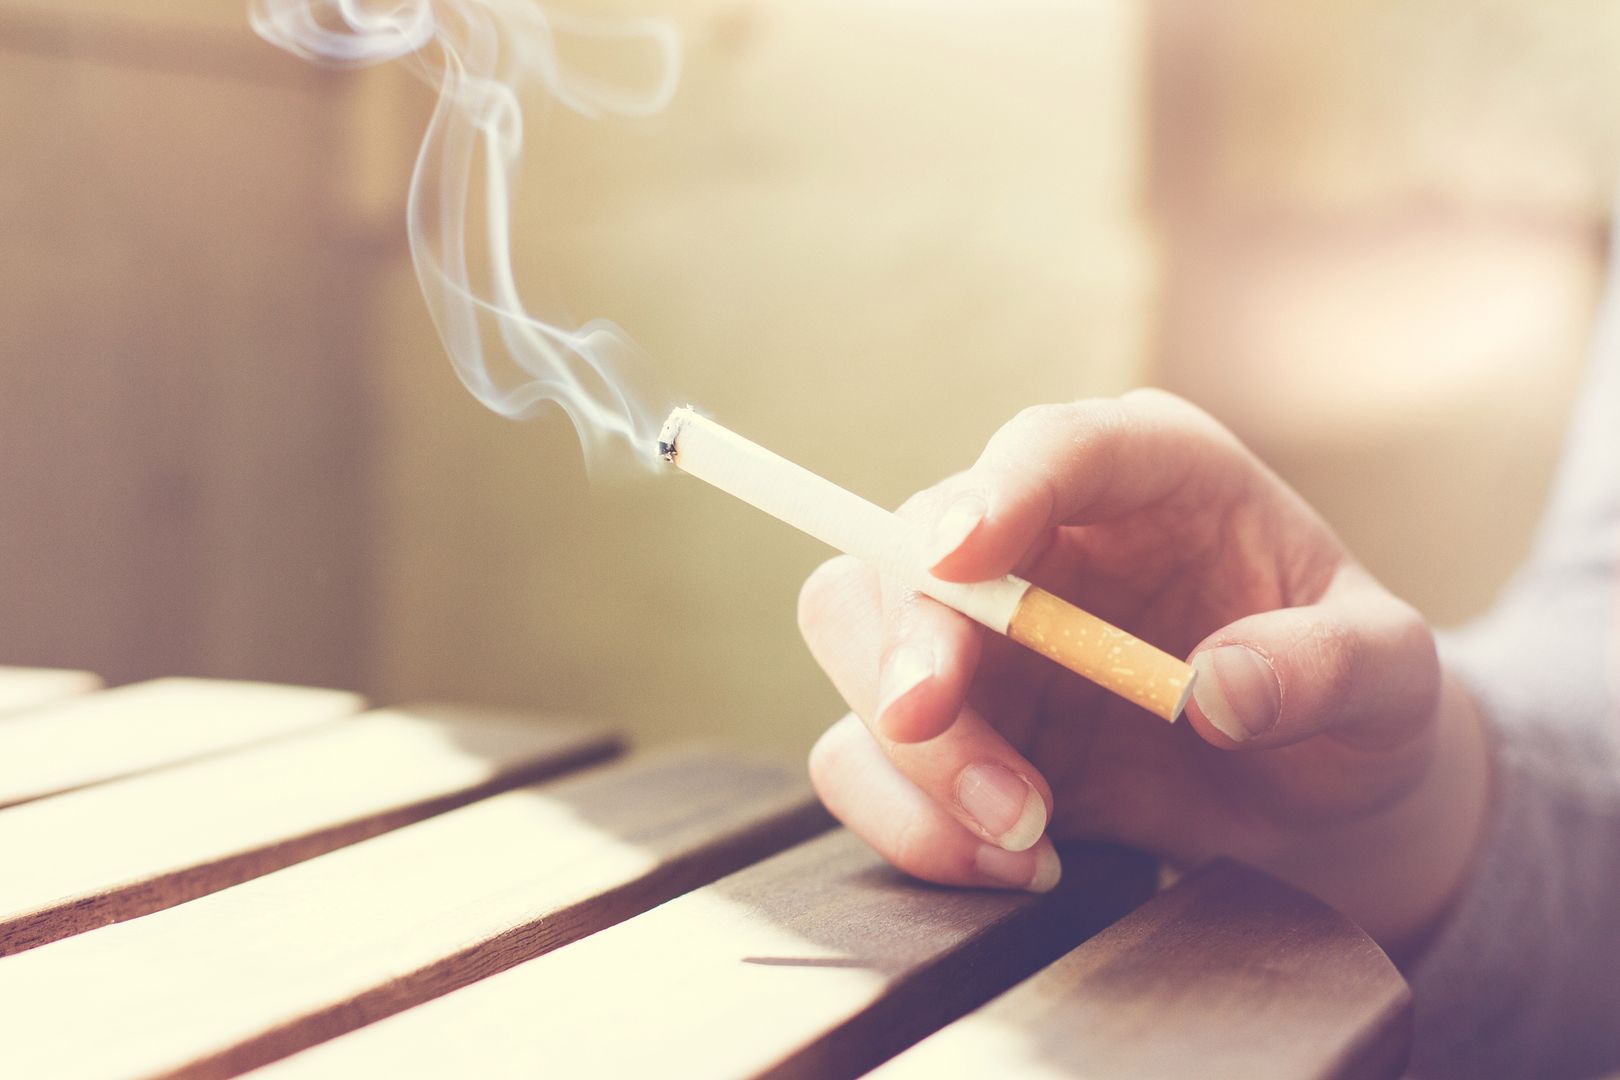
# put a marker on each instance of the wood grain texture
(819, 962)
(257, 971)
(133, 846)
(25, 688)
(1229, 973)
(134, 728)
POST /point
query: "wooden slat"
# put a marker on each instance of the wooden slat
(256, 971)
(819, 962)
(133, 846)
(24, 688)
(134, 728)
(1227, 974)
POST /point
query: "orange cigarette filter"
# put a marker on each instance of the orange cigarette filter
(1102, 652)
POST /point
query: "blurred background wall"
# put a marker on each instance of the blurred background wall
(185, 419)
(1366, 235)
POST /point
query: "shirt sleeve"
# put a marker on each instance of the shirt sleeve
(1523, 977)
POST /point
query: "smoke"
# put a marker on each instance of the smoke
(487, 57)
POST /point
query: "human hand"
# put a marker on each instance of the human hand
(1319, 743)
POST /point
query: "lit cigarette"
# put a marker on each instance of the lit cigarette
(1083, 643)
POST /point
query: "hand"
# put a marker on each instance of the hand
(1321, 742)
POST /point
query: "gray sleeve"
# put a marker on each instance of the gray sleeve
(1523, 977)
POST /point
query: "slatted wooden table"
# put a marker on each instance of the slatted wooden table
(203, 879)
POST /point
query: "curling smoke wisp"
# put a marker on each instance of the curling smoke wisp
(487, 57)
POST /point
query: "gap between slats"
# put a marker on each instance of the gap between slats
(1228, 974)
(133, 729)
(260, 970)
(820, 962)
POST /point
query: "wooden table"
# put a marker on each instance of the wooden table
(204, 878)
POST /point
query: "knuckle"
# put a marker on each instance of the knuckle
(1411, 627)
(1039, 435)
(1157, 399)
(1324, 650)
(1048, 418)
(1340, 657)
(1042, 415)
(1414, 640)
(1163, 408)
(1040, 425)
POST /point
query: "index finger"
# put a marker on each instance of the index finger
(1073, 464)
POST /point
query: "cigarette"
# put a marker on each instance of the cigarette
(1031, 616)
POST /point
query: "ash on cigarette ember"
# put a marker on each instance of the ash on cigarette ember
(670, 435)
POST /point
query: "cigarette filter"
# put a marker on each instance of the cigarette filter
(1031, 616)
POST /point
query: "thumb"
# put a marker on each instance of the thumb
(1359, 663)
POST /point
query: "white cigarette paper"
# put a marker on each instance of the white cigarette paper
(1085, 644)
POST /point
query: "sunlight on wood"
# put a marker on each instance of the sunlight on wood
(133, 728)
(24, 688)
(384, 923)
(131, 846)
(823, 956)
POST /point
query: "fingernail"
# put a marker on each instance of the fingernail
(954, 526)
(1006, 806)
(1237, 689)
(908, 667)
(1038, 871)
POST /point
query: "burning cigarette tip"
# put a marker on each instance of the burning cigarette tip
(670, 434)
